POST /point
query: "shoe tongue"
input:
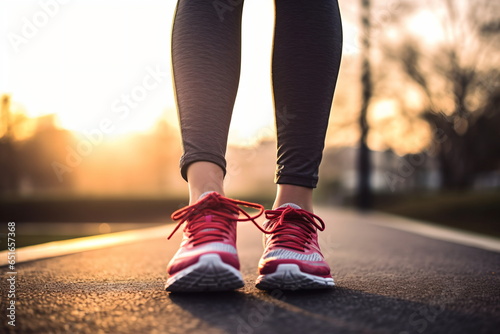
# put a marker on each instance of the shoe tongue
(292, 205)
(283, 206)
(209, 217)
(205, 194)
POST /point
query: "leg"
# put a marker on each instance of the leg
(206, 47)
(306, 60)
(289, 193)
(206, 64)
(204, 176)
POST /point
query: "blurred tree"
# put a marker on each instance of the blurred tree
(364, 195)
(457, 78)
(36, 154)
(9, 175)
(25, 155)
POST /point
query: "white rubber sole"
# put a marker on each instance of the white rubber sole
(290, 277)
(208, 274)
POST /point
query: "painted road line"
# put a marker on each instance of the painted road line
(65, 247)
(435, 231)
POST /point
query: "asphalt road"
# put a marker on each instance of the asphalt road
(387, 281)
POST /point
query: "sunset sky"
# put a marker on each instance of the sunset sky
(87, 61)
(79, 62)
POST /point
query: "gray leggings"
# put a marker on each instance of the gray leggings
(206, 47)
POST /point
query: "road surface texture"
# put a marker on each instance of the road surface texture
(387, 281)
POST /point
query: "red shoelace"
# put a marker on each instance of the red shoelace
(221, 209)
(292, 228)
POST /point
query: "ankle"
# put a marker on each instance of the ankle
(203, 177)
(300, 196)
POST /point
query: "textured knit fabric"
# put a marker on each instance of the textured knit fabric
(206, 52)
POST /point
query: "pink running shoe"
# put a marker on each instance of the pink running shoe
(292, 258)
(207, 259)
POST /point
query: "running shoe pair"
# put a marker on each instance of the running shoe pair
(207, 259)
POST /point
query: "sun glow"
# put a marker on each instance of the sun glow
(117, 69)
(427, 25)
(116, 73)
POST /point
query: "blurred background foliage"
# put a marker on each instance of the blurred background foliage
(434, 134)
